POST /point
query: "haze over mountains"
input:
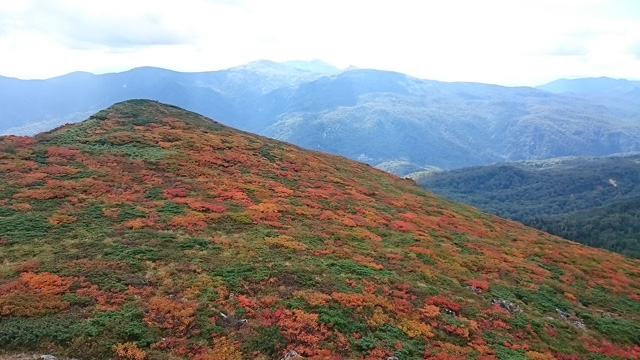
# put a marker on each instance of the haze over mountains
(399, 123)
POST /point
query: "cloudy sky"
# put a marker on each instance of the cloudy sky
(508, 42)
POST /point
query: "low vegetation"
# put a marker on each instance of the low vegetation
(148, 232)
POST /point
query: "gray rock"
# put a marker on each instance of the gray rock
(565, 315)
(449, 312)
(476, 290)
(392, 358)
(579, 324)
(48, 357)
(507, 305)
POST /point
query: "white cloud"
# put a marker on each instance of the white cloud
(501, 41)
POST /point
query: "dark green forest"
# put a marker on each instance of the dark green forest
(595, 201)
(615, 227)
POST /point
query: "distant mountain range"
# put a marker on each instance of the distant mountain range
(391, 120)
(595, 201)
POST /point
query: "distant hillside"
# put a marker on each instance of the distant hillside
(620, 96)
(150, 232)
(615, 226)
(558, 195)
(378, 117)
(590, 86)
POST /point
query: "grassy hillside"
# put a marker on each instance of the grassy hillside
(561, 196)
(150, 232)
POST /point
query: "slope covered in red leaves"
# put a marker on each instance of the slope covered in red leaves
(150, 232)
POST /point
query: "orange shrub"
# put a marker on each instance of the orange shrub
(129, 351)
(314, 298)
(174, 316)
(60, 219)
(46, 283)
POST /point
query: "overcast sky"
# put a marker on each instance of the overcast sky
(508, 42)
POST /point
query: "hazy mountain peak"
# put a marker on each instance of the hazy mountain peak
(265, 66)
(317, 66)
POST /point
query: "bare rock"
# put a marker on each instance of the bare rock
(579, 324)
(507, 305)
(574, 320)
(565, 315)
(231, 321)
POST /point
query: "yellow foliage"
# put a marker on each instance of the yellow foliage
(539, 356)
(199, 283)
(265, 208)
(415, 328)
(378, 318)
(285, 241)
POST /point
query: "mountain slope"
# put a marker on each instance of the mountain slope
(150, 231)
(547, 193)
(378, 117)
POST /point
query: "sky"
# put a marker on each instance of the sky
(506, 42)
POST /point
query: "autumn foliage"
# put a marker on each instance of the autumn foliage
(150, 232)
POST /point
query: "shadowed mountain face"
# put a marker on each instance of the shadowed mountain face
(148, 231)
(374, 116)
